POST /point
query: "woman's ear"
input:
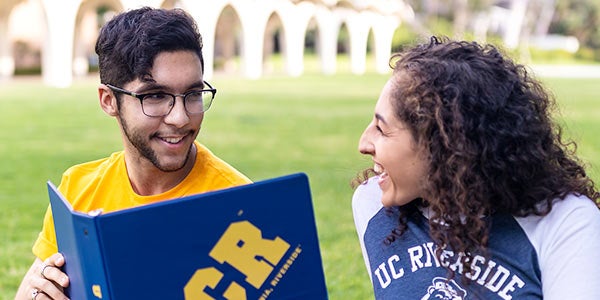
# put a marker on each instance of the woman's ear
(108, 100)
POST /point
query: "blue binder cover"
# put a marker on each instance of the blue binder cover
(257, 241)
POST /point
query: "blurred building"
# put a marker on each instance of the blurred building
(58, 36)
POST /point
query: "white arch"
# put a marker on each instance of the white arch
(57, 60)
(253, 16)
(383, 33)
(329, 26)
(296, 18)
(359, 25)
(360, 17)
(7, 62)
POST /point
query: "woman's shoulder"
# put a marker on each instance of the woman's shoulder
(573, 218)
(569, 210)
(573, 209)
(366, 202)
(567, 240)
(367, 194)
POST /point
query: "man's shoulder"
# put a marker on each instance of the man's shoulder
(86, 175)
(210, 165)
(94, 166)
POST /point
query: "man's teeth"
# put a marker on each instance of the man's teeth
(172, 140)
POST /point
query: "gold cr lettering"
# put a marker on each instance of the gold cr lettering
(243, 247)
(210, 277)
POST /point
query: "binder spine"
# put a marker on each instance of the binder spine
(78, 241)
(95, 284)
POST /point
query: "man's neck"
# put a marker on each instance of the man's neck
(146, 179)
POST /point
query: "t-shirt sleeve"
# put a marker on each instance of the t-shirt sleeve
(366, 202)
(45, 245)
(567, 241)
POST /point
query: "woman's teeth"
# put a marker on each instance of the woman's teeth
(378, 169)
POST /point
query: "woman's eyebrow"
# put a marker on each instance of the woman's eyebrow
(380, 118)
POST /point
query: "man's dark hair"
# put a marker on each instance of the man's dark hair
(128, 44)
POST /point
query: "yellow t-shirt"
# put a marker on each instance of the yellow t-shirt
(104, 184)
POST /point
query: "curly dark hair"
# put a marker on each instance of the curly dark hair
(128, 43)
(492, 146)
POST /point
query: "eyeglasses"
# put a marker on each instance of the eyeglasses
(160, 104)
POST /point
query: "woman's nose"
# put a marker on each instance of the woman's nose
(364, 143)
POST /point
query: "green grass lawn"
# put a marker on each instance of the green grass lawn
(265, 128)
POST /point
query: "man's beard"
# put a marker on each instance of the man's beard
(146, 151)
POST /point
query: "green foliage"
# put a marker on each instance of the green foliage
(588, 54)
(440, 27)
(580, 18)
(539, 56)
(406, 36)
(266, 128)
(403, 36)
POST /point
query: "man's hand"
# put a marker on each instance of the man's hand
(44, 280)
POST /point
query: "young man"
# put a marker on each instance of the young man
(151, 73)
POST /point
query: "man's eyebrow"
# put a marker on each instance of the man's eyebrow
(198, 84)
(146, 86)
(153, 85)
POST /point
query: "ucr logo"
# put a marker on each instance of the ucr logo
(442, 288)
(243, 247)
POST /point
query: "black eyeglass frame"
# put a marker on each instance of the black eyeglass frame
(141, 97)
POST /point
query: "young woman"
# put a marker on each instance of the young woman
(473, 193)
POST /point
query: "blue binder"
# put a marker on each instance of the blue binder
(257, 241)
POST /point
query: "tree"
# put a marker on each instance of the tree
(547, 9)
(580, 18)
